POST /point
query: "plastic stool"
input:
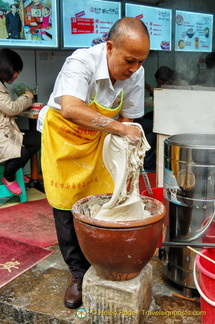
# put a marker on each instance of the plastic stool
(5, 193)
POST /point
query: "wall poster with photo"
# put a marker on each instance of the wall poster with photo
(193, 31)
(87, 22)
(157, 20)
(29, 23)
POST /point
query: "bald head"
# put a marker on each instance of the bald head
(126, 27)
(127, 48)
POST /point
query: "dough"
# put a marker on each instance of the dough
(123, 160)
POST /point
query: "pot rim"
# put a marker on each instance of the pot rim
(117, 224)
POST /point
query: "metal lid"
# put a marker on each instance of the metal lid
(192, 140)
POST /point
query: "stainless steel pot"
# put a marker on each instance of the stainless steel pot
(189, 190)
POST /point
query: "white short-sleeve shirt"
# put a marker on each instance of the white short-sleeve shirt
(86, 71)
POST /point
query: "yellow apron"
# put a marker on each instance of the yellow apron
(72, 164)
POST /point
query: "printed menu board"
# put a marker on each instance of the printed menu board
(193, 31)
(87, 23)
(158, 22)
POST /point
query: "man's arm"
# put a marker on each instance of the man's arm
(81, 114)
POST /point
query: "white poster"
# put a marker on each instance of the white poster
(193, 31)
(87, 23)
(158, 22)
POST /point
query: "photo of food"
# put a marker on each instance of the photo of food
(207, 32)
(179, 20)
(165, 45)
(190, 32)
(100, 40)
(181, 44)
(196, 42)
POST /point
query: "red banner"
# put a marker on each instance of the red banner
(82, 25)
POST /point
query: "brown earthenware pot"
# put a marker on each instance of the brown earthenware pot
(117, 250)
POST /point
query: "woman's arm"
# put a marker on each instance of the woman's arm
(14, 107)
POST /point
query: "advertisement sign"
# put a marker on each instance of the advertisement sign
(193, 31)
(158, 22)
(27, 23)
(87, 23)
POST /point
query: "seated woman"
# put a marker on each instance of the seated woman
(166, 76)
(16, 146)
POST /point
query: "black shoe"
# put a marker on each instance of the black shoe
(73, 295)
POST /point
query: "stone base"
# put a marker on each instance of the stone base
(115, 302)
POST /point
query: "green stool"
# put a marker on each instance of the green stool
(5, 193)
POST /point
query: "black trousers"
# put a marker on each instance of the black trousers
(68, 243)
(31, 145)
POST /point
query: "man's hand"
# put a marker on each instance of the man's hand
(133, 133)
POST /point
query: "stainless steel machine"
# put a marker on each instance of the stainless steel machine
(189, 191)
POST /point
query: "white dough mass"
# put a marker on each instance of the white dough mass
(123, 160)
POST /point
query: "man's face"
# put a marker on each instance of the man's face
(13, 9)
(128, 57)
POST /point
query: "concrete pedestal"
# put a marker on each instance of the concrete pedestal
(116, 302)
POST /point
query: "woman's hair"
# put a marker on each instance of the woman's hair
(164, 73)
(47, 8)
(10, 62)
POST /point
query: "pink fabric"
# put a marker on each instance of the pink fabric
(17, 257)
(46, 20)
(31, 222)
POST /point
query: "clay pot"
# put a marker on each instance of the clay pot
(117, 250)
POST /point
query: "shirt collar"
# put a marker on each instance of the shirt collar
(102, 68)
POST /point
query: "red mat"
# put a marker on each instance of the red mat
(17, 257)
(30, 222)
